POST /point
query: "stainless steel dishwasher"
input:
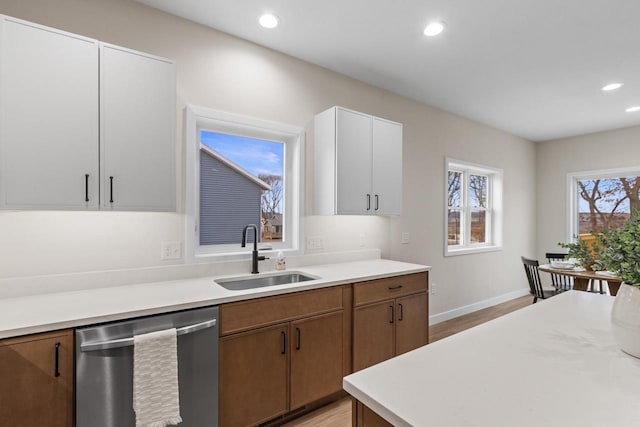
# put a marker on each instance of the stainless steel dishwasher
(104, 368)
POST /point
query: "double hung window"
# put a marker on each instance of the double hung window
(473, 207)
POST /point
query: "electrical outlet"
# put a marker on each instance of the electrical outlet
(315, 243)
(170, 250)
(363, 240)
(404, 239)
(432, 288)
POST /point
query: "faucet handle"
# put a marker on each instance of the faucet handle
(266, 248)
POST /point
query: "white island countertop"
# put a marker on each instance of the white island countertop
(47, 312)
(554, 363)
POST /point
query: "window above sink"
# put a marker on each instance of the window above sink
(225, 152)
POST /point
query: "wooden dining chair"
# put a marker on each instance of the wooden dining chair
(560, 282)
(535, 284)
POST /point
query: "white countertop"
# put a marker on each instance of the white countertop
(39, 313)
(554, 363)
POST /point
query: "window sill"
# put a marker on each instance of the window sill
(468, 251)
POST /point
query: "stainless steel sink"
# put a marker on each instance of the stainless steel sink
(242, 283)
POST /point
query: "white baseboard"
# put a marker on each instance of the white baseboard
(447, 315)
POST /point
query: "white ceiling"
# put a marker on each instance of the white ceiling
(533, 68)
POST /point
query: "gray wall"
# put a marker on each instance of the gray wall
(228, 202)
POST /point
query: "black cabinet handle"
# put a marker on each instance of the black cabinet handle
(395, 288)
(401, 312)
(368, 202)
(86, 187)
(393, 315)
(376, 202)
(110, 189)
(297, 338)
(57, 370)
(284, 342)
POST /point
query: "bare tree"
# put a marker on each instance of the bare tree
(610, 194)
(453, 192)
(478, 186)
(272, 199)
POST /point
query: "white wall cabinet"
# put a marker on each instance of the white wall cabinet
(137, 130)
(358, 164)
(83, 123)
(48, 118)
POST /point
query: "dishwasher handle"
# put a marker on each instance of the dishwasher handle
(126, 342)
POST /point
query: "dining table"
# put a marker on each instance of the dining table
(582, 277)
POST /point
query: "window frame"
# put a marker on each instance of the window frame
(572, 225)
(198, 119)
(493, 210)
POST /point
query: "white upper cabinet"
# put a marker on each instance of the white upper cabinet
(48, 118)
(83, 123)
(358, 164)
(137, 119)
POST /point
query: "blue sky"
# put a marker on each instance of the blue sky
(253, 155)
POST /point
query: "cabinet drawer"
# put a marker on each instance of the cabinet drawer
(392, 287)
(244, 315)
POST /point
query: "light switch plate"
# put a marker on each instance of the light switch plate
(170, 250)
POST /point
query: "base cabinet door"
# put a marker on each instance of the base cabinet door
(253, 372)
(316, 358)
(365, 417)
(373, 334)
(36, 380)
(412, 327)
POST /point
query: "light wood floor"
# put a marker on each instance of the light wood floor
(338, 414)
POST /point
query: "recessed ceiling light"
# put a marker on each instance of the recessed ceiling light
(268, 20)
(433, 29)
(612, 86)
(632, 109)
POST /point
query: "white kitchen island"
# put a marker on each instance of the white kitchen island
(554, 363)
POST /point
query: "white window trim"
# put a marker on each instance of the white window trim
(495, 200)
(572, 192)
(200, 118)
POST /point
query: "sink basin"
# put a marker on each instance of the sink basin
(242, 283)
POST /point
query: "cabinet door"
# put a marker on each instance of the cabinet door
(254, 376)
(353, 163)
(137, 125)
(316, 358)
(373, 334)
(48, 118)
(365, 417)
(35, 390)
(387, 167)
(412, 323)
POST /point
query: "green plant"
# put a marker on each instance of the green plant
(621, 253)
(588, 255)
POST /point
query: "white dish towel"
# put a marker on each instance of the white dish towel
(156, 400)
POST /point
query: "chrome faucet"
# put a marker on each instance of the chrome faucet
(254, 255)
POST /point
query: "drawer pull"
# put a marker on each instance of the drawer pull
(57, 369)
(395, 288)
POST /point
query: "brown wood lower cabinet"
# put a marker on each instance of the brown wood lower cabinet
(254, 384)
(390, 317)
(316, 358)
(36, 380)
(271, 370)
(365, 417)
